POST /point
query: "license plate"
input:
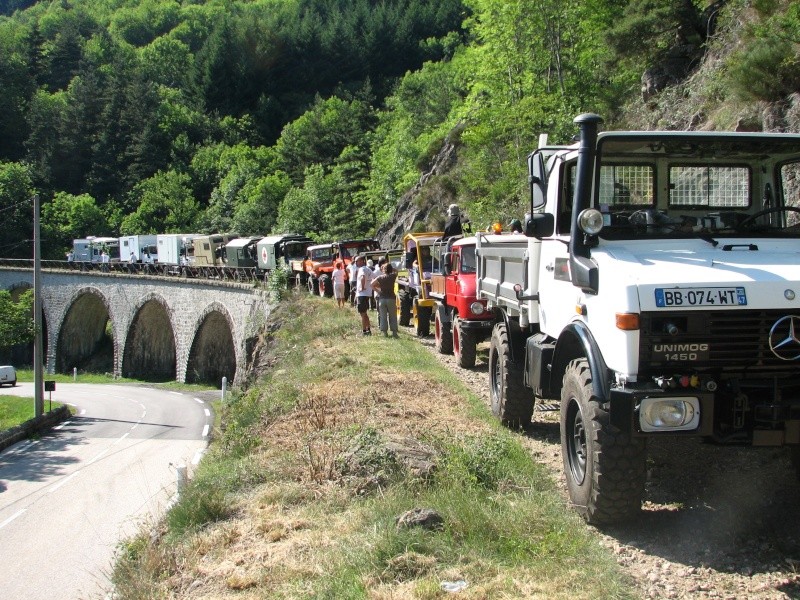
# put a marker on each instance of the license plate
(711, 296)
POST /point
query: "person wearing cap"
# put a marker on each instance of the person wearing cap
(452, 226)
(515, 225)
(363, 293)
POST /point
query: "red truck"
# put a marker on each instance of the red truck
(461, 319)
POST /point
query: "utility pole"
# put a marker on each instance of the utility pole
(38, 394)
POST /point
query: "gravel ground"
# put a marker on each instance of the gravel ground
(717, 522)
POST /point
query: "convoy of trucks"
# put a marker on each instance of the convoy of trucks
(655, 291)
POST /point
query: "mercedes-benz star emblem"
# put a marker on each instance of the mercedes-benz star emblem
(783, 338)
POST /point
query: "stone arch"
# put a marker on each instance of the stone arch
(150, 343)
(86, 339)
(213, 353)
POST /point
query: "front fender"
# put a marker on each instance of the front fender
(576, 341)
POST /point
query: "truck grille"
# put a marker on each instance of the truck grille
(737, 341)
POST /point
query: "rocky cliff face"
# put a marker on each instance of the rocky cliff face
(424, 206)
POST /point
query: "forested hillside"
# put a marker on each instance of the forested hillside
(316, 116)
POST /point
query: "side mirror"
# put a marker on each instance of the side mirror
(540, 225)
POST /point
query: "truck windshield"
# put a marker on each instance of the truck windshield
(695, 200)
(468, 262)
(295, 251)
(322, 254)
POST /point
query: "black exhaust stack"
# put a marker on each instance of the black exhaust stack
(582, 269)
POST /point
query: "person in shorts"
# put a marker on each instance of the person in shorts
(363, 293)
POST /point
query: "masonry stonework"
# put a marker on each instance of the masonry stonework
(205, 316)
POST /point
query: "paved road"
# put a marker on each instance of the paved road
(67, 499)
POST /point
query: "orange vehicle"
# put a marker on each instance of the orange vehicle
(320, 260)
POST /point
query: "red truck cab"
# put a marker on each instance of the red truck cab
(461, 319)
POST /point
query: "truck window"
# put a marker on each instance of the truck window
(627, 185)
(790, 175)
(709, 186)
(468, 262)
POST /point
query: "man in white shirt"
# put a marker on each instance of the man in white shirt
(363, 293)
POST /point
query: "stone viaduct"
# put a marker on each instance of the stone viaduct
(145, 326)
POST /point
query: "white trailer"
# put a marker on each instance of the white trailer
(175, 248)
(90, 249)
(142, 247)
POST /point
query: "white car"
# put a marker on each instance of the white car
(8, 375)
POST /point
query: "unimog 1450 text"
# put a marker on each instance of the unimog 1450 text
(655, 291)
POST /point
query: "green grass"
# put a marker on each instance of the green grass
(506, 531)
(15, 410)
(27, 376)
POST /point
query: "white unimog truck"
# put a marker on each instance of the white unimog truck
(655, 291)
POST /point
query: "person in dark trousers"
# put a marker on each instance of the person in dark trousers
(453, 224)
(383, 284)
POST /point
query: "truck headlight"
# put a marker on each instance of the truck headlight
(590, 221)
(476, 308)
(669, 414)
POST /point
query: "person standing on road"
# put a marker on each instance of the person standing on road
(363, 293)
(387, 303)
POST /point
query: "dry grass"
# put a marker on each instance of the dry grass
(312, 519)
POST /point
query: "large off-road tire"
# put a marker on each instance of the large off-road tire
(313, 285)
(442, 333)
(511, 402)
(464, 345)
(422, 320)
(604, 467)
(404, 305)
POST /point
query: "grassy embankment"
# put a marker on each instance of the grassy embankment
(15, 410)
(300, 493)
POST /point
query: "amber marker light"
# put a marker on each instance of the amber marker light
(497, 227)
(628, 321)
(580, 309)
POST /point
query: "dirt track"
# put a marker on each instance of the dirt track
(718, 522)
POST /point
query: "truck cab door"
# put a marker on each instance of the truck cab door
(558, 296)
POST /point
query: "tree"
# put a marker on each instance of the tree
(16, 319)
(16, 206)
(67, 217)
(165, 205)
(303, 209)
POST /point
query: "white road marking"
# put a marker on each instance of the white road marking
(198, 400)
(208, 412)
(205, 430)
(62, 482)
(176, 393)
(12, 517)
(197, 456)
